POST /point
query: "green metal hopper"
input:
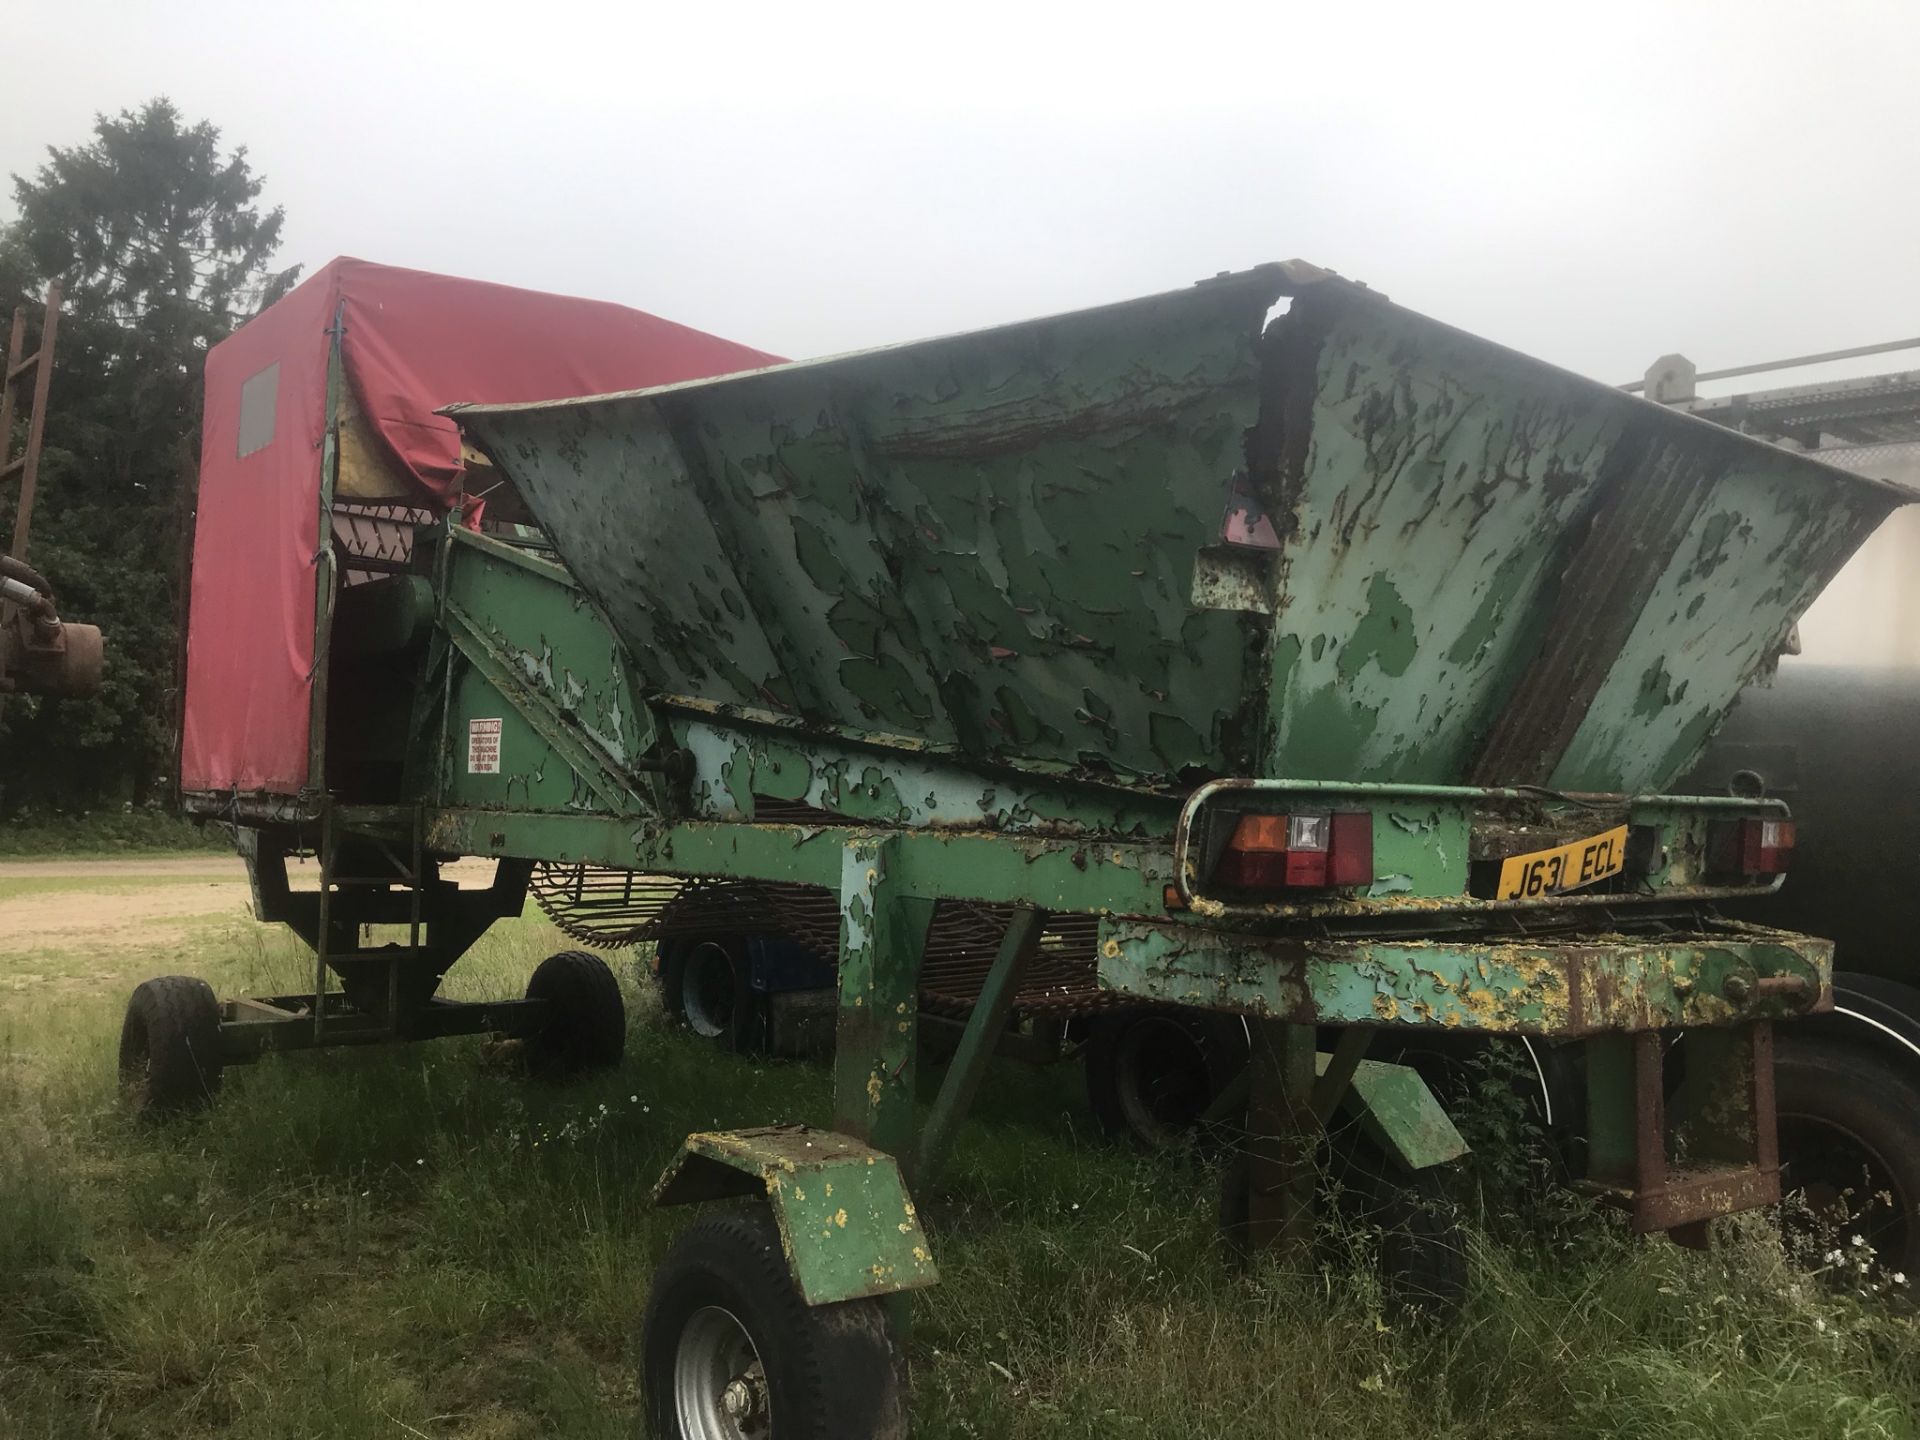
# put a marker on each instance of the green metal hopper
(1012, 546)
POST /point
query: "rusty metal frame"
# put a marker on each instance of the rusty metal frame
(1629, 1160)
(40, 364)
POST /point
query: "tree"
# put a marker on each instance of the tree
(164, 249)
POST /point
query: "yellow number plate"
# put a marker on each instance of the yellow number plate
(1566, 867)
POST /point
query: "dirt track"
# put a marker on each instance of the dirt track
(130, 903)
(217, 866)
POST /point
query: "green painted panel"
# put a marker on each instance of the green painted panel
(1063, 875)
(1399, 1112)
(1747, 567)
(1427, 508)
(847, 1224)
(747, 772)
(542, 714)
(965, 543)
(987, 546)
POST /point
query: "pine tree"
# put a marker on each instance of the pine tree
(163, 247)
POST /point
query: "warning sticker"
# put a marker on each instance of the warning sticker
(483, 747)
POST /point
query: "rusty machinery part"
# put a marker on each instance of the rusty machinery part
(616, 908)
(1006, 724)
(40, 654)
(375, 537)
(18, 570)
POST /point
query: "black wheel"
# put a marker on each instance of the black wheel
(704, 986)
(1421, 1247)
(1850, 1142)
(586, 1022)
(1151, 1074)
(170, 1047)
(729, 1350)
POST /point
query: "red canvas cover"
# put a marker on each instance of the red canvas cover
(411, 342)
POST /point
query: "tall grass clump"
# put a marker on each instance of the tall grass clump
(419, 1241)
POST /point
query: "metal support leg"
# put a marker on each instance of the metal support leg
(1723, 1117)
(1626, 1111)
(882, 936)
(323, 939)
(416, 888)
(1724, 1114)
(1726, 1156)
(1283, 1137)
(984, 1025)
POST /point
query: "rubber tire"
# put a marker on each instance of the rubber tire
(586, 1026)
(665, 974)
(833, 1371)
(1423, 1253)
(1887, 1002)
(1873, 1101)
(1114, 1084)
(170, 1057)
(746, 1032)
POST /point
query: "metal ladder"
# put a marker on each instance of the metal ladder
(37, 367)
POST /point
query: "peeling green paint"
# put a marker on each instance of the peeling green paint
(847, 1224)
(1384, 636)
(961, 540)
(960, 620)
(1578, 986)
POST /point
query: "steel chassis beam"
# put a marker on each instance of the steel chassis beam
(1568, 982)
(250, 1028)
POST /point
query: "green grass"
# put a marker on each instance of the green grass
(422, 1243)
(106, 833)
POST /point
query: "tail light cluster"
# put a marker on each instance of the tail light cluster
(1305, 850)
(1753, 848)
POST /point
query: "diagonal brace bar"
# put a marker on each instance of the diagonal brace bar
(989, 1018)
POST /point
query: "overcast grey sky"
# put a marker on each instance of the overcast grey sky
(1593, 182)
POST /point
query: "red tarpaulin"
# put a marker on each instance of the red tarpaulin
(410, 342)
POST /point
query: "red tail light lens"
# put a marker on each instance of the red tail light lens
(1309, 850)
(1766, 845)
(1351, 860)
(1750, 848)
